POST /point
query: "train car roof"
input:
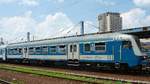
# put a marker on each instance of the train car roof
(72, 39)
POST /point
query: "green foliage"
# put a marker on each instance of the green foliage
(17, 82)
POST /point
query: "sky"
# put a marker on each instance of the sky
(54, 18)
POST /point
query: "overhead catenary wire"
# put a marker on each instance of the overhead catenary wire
(93, 25)
(72, 27)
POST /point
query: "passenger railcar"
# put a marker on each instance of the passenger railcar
(112, 49)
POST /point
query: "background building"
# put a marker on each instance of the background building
(110, 22)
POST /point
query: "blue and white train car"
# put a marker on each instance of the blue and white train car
(112, 49)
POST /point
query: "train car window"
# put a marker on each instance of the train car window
(45, 50)
(62, 48)
(126, 44)
(15, 52)
(87, 47)
(53, 49)
(70, 48)
(25, 50)
(38, 50)
(12, 51)
(100, 47)
(20, 51)
(75, 48)
(1, 52)
(31, 51)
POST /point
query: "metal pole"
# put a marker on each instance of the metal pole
(82, 28)
(28, 36)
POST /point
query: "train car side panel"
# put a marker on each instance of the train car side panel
(96, 52)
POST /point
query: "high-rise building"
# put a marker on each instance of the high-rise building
(110, 22)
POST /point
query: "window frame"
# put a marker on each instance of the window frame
(33, 50)
(74, 48)
(62, 49)
(37, 51)
(9, 51)
(85, 49)
(20, 51)
(127, 45)
(50, 50)
(46, 51)
(99, 45)
(15, 51)
(1, 52)
(71, 48)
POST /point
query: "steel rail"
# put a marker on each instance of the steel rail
(4, 82)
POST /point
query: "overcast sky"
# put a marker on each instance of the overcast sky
(52, 18)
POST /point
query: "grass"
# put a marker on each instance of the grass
(56, 74)
(17, 82)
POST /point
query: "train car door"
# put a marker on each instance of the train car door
(117, 52)
(25, 53)
(117, 49)
(4, 54)
(73, 51)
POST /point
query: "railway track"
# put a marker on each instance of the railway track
(4, 82)
(124, 78)
(115, 79)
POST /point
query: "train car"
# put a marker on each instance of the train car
(102, 50)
